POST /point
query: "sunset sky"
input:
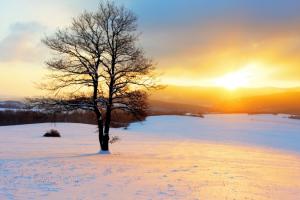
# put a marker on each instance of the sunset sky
(226, 43)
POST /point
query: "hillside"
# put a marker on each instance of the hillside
(155, 159)
(284, 102)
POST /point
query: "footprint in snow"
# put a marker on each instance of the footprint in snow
(107, 172)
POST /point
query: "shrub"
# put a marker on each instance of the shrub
(294, 117)
(114, 139)
(52, 133)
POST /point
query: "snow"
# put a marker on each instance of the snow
(273, 131)
(11, 109)
(166, 157)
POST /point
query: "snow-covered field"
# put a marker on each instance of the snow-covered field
(271, 131)
(166, 157)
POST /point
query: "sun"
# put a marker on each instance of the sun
(232, 81)
(237, 79)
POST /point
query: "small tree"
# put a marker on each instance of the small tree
(98, 66)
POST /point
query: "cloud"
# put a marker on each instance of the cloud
(22, 43)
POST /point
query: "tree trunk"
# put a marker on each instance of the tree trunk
(100, 131)
(102, 138)
(107, 121)
(105, 143)
(106, 128)
(108, 112)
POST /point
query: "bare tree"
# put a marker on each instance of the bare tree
(98, 66)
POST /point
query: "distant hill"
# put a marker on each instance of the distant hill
(166, 108)
(11, 104)
(284, 102)
(181, 100)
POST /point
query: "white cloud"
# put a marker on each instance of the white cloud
(22, 43)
